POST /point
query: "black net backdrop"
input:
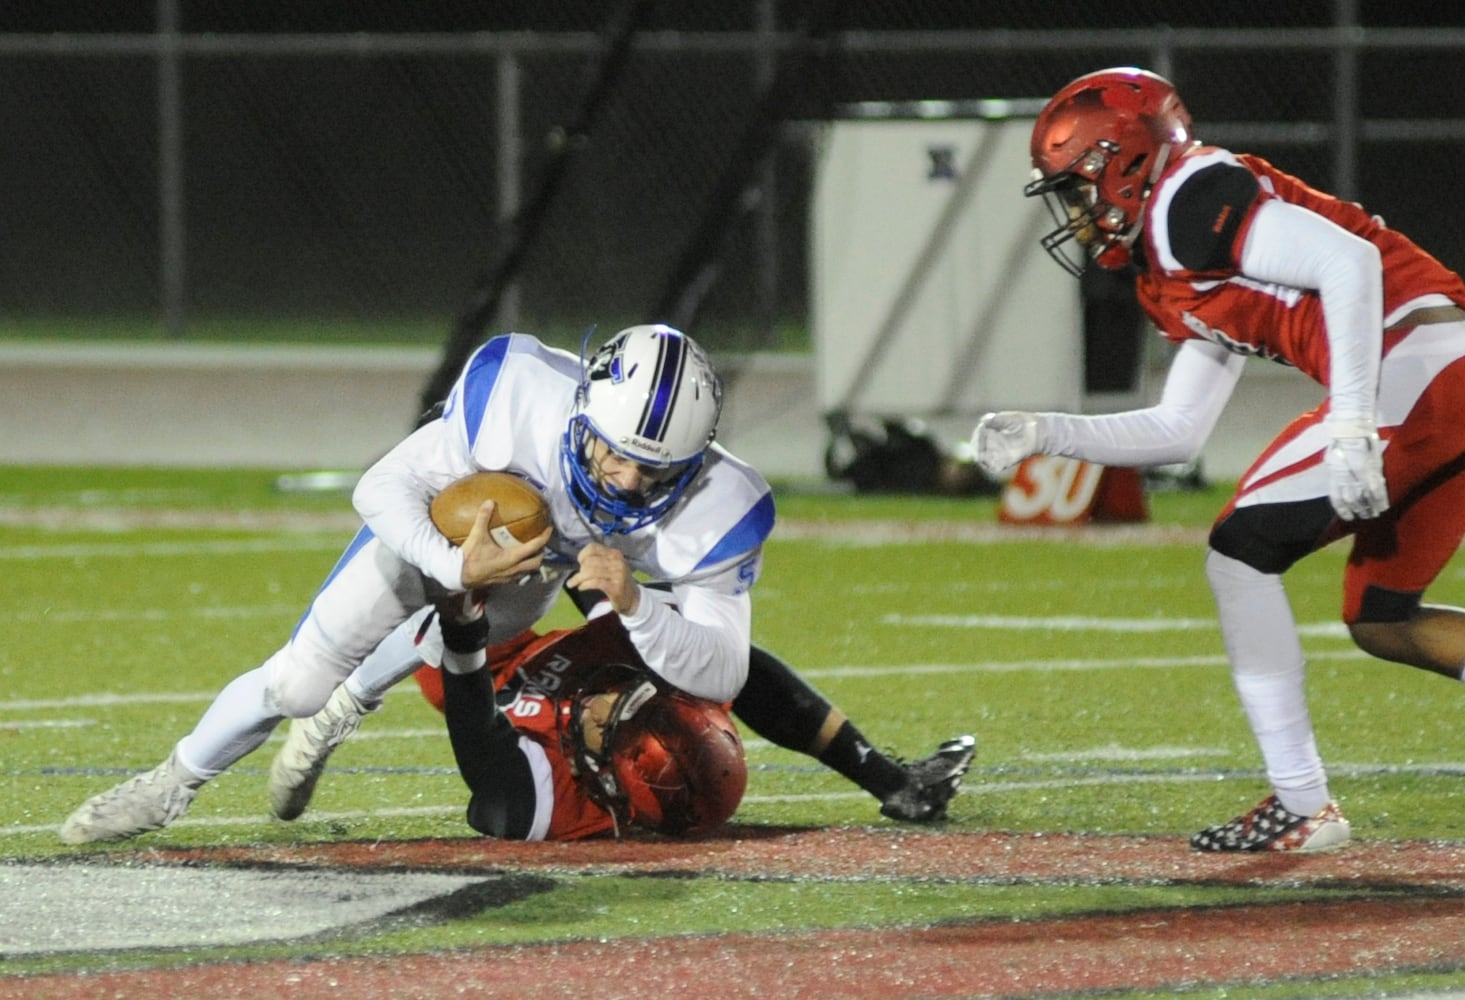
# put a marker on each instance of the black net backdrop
(326, 178)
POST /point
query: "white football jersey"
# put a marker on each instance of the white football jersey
(509, 411)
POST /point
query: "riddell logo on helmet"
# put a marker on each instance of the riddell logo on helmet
(645, 446)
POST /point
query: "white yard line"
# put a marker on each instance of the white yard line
(180, 549)
(860, 533)
(842, 532)
(1083, 623)
(104, 700)
(273, 611)
(108, 700)
(113, 517)
(975, 785)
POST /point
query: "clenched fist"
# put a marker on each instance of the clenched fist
(1001, 440)
(605, 569)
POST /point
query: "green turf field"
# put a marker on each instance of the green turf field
(1091, 674)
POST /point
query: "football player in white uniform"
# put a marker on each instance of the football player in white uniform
(765, 693)
(620, 446)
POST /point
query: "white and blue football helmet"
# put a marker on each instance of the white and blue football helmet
(651, 395)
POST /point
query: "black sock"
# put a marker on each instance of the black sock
(851, 755)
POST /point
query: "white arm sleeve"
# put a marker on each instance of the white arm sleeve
(393, 496)
(1290, 245)
(1197, 388)
(701, 645)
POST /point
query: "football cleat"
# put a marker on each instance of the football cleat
(931, 783)
(1272, 827)
(308, 746)
(149, 801)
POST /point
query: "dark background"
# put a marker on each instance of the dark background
(324, 184)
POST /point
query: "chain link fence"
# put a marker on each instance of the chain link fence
(373, 164)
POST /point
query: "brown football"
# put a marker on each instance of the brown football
(521, 513)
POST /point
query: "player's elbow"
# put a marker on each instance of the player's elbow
(719, 677)
(1190, 440)
(1352, 273)
(364, 496)
(730, 684)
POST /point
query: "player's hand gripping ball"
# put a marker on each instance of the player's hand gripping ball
(520, 515)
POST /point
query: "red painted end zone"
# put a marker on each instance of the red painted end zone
(1419, 925)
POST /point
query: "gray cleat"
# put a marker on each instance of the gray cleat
(310, 743)
(149, 801)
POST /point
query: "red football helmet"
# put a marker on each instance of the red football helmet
(663, 760)
(1098, 146)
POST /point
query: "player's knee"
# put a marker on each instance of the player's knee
(295, 691)
(1381, 624)
(1270, 538)
(1381, 606)
(1384, 640)
(301, 697)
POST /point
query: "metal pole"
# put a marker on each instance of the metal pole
(1163, 53)
(171, 234)
(510, 166)
(1345, 101)
(765, 69)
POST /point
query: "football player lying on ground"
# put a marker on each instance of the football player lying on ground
(588, 740)
(1234, 258)
(775, 703)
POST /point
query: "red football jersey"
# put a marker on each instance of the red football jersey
(551, 666)
(574, 816)
(1217, 304)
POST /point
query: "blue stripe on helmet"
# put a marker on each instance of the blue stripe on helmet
(671, 360)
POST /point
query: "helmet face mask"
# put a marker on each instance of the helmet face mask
(1097, 148)
(648, 398)
(1078, 215)
(603, 505)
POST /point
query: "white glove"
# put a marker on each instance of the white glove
(1001, 440)
(1355, 462)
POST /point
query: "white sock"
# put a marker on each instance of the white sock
(1269, 672)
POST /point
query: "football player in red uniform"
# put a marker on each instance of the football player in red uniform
(550, 685)
(587, 739)
(1231, 258)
